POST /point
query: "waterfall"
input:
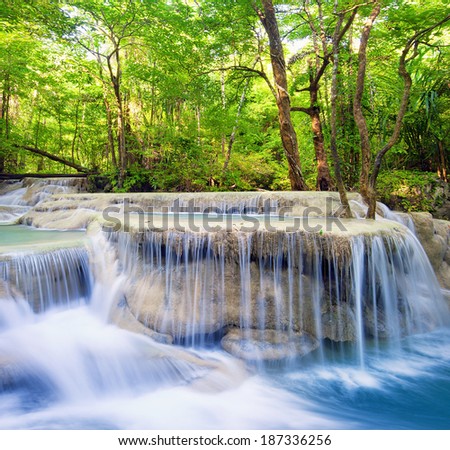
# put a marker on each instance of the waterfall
(17, 197)
(195, 286)
(45, 280)
(58, 347)
(319, 317)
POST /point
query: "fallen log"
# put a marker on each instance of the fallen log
(45, 154)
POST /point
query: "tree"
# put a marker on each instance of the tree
(368, 177)
(324, 53)
(109, 30)
(357, 104)
(317, 68)
(196, 95)
(411, 44)
(339, 32)
(287, 132)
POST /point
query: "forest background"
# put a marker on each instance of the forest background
(206, 95)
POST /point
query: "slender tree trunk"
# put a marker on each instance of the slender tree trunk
(442, 161)
(347, 120)
(4, 113)
(120, 133)
(75, 133)
(121, 144)
(222, 94)
(199, 125)
(130, 157)
(115, 75)
(4, 116)
(320, 35)
(109, 121)
(287, 131)
(110, 147)
(333, 138)
(60, 138)
(324, 181)
(38, 127)
(357, 105)
(235, 128)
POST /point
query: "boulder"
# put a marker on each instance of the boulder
(434, 235)
(435, 245)
(267, 345)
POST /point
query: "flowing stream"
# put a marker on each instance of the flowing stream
(65, 364)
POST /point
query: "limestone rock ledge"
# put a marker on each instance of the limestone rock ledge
(434, 235)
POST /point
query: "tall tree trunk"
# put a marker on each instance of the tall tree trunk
(287, 131)
(110, 147)
(121, 144)
(115, 76)
(317, 70)
(4, 113)
(199, 125)
(131, 157)
(324, 181)
(333, 138)
(357, 105)
(4, 116)
(442, 161)
(346, 116)
(368, 182)
(109, 121)
(223, 97)
(60, 137)
(235, 128)
(75, 133)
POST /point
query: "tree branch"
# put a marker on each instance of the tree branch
(300, 109)
(260, 73)
(348, 23)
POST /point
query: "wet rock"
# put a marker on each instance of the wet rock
(435, 246)
(8, 291)
(267, 345)
(434, 235)
(338, 323)
(60, 219)
(180, 312)
(121, 316)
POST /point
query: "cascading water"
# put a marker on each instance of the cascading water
(17, 197)
(193, 286)
(70, 368)
(49, 279)
(334, 325)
